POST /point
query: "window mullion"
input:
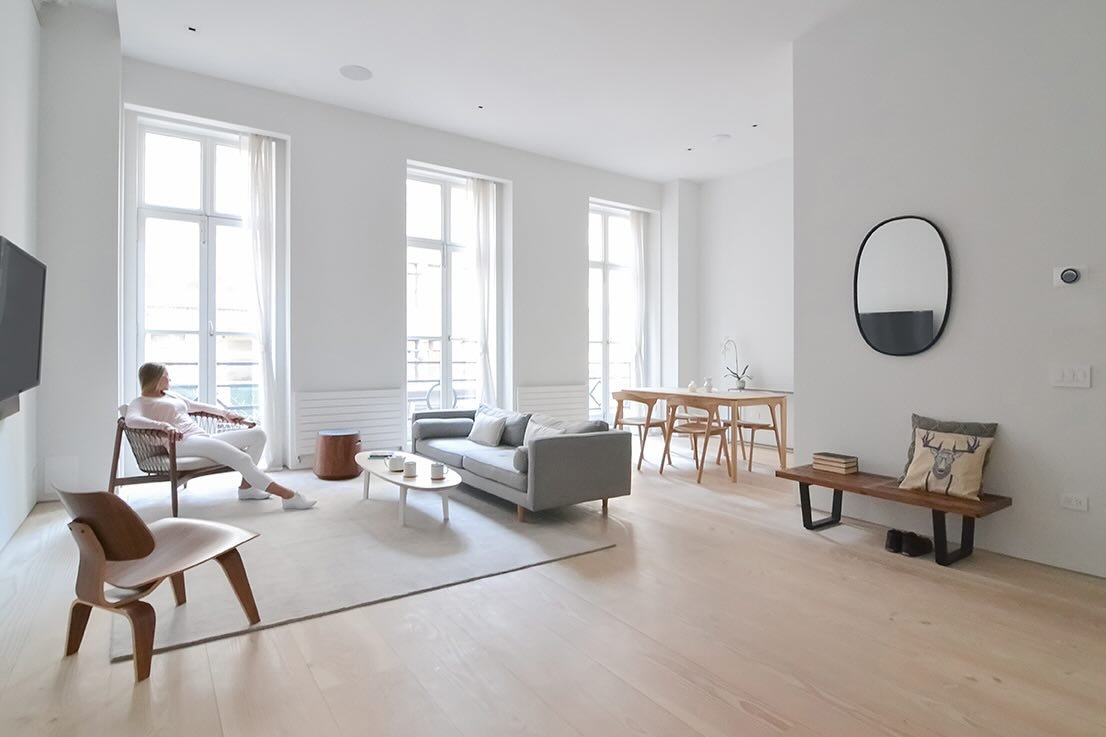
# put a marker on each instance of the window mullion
(447, 303)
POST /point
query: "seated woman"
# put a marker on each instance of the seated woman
(158, 409)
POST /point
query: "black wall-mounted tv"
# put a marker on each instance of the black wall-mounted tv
(22, 299)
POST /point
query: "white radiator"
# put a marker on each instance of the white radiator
(378, 414)
(563, 402)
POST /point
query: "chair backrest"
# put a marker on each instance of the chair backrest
(121, 532)
(706, 405)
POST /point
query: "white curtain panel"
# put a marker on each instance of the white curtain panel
(483, 198)
(637, 228)
(262, 226)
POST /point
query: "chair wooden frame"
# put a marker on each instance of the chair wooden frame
(156, 454)
(643, 424)
(117, 548)
(708, 427)
(737, 425)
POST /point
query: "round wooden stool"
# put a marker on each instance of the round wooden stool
(334, 452)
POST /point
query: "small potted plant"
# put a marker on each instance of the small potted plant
(740, 376)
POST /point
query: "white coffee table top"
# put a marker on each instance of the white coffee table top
(377, 467)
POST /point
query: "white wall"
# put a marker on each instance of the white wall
(78, 205)
(19, 48)
(348, 241)
(987, 117)
(746, 269)
(679, 283)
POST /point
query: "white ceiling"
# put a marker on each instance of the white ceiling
(624, 85)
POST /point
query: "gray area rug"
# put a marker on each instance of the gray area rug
(347, 552)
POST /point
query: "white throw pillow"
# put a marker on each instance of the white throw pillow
(487, 430)
(538, 430)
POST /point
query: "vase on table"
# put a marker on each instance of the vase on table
(740, 384)
(692, 386)
(708, 385)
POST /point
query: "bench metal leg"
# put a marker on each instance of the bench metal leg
(835, 515)
(941, 543)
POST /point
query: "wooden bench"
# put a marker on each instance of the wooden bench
(886, 487)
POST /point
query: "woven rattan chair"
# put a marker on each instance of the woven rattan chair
(118, 549)
(156, 454)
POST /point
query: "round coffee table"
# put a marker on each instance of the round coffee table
(421, 481)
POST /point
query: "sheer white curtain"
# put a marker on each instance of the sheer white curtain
(638, 220)
(262, 227)
(483, 198)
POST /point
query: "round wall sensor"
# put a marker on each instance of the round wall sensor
(355, 72)
(1069, 276)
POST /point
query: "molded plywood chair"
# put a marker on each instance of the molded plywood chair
(707, 427)
(156, 454)
(740, 424)
(119, 549)
(643, 423)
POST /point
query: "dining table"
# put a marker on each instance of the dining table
(734, 399)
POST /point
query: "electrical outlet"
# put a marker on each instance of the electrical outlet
(1075, 376)
(1075, 502)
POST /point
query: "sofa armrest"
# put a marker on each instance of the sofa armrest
(440, 414)
(440, 427)
(578, 467)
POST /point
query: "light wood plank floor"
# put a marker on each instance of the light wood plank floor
(716, 615)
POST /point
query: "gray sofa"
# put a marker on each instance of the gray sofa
(552, 471)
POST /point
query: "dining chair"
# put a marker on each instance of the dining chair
(752, 426)
(643, 423)
(709, 426)
(155, 451)
(118, 549)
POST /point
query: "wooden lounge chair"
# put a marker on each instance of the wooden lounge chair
(156, 454)
(117, 548)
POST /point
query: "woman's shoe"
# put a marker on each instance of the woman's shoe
(250, 494)
(894, 541)
(299, 501)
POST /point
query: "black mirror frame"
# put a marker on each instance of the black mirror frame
(948, 292)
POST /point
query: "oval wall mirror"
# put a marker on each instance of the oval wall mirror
(902, 287)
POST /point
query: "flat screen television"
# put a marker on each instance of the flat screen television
(22, 299)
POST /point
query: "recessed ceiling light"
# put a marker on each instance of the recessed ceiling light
(689, 148)
(355, 72)
(192, 28)
(720, 137)
(754, 125)
(479, 107)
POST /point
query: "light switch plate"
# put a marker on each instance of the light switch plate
(1072, 376)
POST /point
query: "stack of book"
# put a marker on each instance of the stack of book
(835, 462)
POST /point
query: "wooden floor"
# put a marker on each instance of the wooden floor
(717, 614)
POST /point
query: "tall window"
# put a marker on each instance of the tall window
(195, 295)
(443, 299)
(613, 294)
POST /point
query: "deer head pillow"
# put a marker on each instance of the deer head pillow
(947, 463)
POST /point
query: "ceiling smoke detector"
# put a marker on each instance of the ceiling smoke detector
(356, 72)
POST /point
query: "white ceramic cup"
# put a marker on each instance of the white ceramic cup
(395, 463)
(410, 469)
(437, 470)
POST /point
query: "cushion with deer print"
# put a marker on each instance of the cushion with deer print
(979, 429)
(947, 463)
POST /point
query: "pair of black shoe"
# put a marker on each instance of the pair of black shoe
(908, 543)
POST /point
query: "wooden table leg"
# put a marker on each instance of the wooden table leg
(734, 430)
(783, 432)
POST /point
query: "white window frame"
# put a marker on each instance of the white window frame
(606, 404)
(447, 249)
(131, 273)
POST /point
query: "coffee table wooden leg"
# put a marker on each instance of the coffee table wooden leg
(445, 506)
(402, 505)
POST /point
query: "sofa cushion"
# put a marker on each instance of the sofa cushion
(541, 426)
(447, 450)
(496, 464)
(587, 426)
(441, 427)
(487, 429)
(522, 459)
(515, 428)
